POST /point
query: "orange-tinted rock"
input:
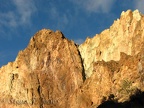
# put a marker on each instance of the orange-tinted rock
(49, 73)
(125, 35)
(43, 75)
(113, 80)
(113, 63)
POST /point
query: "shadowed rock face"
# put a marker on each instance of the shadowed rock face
(113, 81)
(53, 72)
(136, 101)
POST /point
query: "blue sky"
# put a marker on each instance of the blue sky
(77, 19)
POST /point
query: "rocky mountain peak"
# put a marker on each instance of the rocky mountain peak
(53, 72)
(125, 35)
(132, 15)
(43, 75)
(42, 37)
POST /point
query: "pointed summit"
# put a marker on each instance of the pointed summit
(43, 75)
(125, 35)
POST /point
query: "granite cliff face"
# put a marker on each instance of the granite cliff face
(53, 72)
(43, 75)
(125, 35)
(113, 62)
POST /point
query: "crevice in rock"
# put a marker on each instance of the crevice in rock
(38, 89)
(39, 92)
(83, 70)
(136, 101)
(32, 102)
(11, 81)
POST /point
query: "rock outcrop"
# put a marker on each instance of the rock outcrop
(125, 35)
(43, 75)
(113, 63)
(53, 72)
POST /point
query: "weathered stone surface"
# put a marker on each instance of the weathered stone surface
(43, 75)
(50, 72)
(125, 35)
(111, 81)
(113, 62)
